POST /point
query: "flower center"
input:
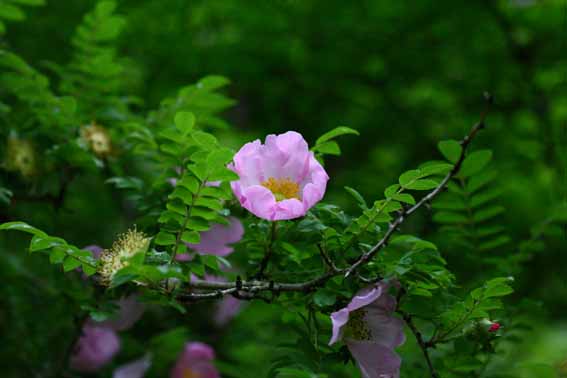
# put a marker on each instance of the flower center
(282, 188)
(356, 327)
(189, 373)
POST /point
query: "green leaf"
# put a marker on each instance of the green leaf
(223, 174)
(190, 183)
(57, 256)
(422, 185)
(183, 194)
(328, 148)
(404, 197)
(475, 162)
(88, 269)
(220, 157)
(407, 178)
(212, 82)
(451, 150)
(39, 243)
(22, 226)
(357, 196)
(488, 213)
(185, 121)
(71, 263)
(338, 131)
(198, 224)
(192, 237)
(498, 287)
(324, 298)
(210, 261)
(436, 169)
(206, 140)
(164, 238)
(391, 190)
(11, 12)
(449, 217)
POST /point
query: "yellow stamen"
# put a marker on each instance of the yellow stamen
(356, 327)
(98, 139)
(283, 188)
(188, 373)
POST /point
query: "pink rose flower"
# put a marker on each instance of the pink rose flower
(216, 240)
(94, 249)
(226, 309)
(130, 310)
(195, 361)
(371, 332)
(134, 369)
(94, 349)
(280, 179)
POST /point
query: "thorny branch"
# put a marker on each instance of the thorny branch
(202, 290)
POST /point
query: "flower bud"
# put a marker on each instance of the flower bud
(489, 326)
(98, 139)
(20, 156)
(494, 327)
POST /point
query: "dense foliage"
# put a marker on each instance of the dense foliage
(122, 126)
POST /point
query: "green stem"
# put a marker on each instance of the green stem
(188, 210)
(269, 251)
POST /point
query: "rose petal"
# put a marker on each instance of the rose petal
(365, 296)
(196, 357)
(134, 369)
(374, 360)
(260, 202)
(386, 329)
(339, 319)
(215, 240)
(288, 209)
(130, 310)
(94, 349)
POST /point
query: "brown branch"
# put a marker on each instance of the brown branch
(253, 287)
(423, 345)
(327, 259)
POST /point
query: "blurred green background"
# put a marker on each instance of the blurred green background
(404, 74)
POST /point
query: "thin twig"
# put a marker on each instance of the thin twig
(326, 258)
(427, 199)
(269, 251)
(77, 333)
(423, 345)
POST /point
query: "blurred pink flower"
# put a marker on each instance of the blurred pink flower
(94, 249)
(280, 179)
(134, 369)
(130, 310)
(94, 349)
(195, 361)
(226, 309)
(371, 332)
(216, 240)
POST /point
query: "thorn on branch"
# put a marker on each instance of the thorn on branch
(238, 283)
